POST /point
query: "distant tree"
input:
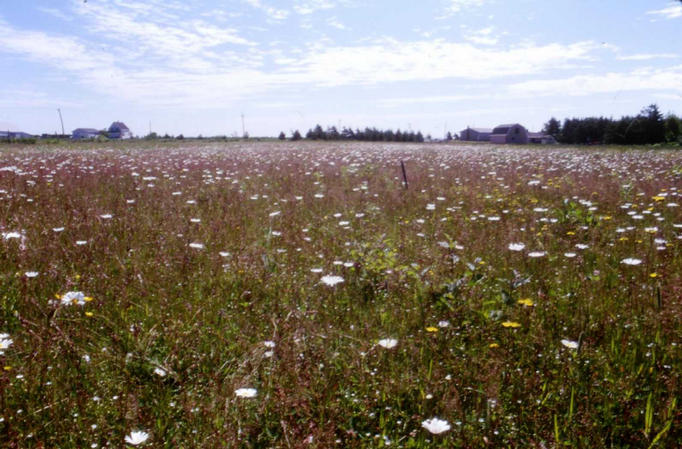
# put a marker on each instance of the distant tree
(552, 128)
(333, 133)
(448, 137)
(654, 126)
(673, 128)
(419, 137)
(296, 135)
(180, 137)
(151, 136)
(245, 136)
(282, 136)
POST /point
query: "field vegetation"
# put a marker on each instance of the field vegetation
(297, 294)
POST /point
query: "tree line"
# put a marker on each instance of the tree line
(368, 134)
(647, 127)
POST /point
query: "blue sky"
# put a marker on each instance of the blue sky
(195, 66)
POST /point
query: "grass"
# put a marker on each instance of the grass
(199, 256)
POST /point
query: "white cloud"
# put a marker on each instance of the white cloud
(54, 12)
(484, 36)
(671, 12)
(390, 60)
(669, 79)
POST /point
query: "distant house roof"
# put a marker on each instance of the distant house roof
(537, 135)
(116, 126)
(481, 130)
(85, 130)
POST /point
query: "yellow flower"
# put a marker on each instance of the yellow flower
(570, 233)
(606, 217)
(526, 302)
(654, 275)
(58, 296)
(431, 329)
(658, 198)
(513, 324)
(8, 368)
(493, 345)
(78, 276)
(89, 314)
(88, 298)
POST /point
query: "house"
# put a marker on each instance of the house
(475, 134)
(118, 130)
(511, 133)
(84, 134)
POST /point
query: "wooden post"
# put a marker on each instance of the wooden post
(402, 166)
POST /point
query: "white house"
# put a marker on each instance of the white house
(118, 130)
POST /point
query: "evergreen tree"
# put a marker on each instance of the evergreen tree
(282, 136)
(296, 135)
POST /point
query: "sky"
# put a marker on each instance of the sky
(194, 67)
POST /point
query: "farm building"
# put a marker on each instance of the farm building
(511, 133)
(541, 138)
(475, 134)
(84, 133)
(14, 135)
(118, 130)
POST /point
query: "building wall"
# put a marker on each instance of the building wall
(517, 134)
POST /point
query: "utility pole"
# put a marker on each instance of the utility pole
(243, 127)
(61, 120)
(150, 127)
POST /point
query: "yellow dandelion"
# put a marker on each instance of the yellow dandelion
(58, 296)
(526, 302)
(89, 314)
(570, 233)
(78, 276)
(623, 239)
(88, 298)
(493, 345)
(512, 324)
(606, 217)
(7, 368)
(431, 329)
(654, 275)
(658, 198)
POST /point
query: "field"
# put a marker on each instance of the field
(298, 295)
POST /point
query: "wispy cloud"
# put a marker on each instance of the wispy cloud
(305, 7)
(671, 12)
(272, 12)
(648, 56)
(669, 80)
(54, 12)
(456, 6)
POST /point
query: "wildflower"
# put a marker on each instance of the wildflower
(526, 302)
(536, 254)
(654, 275)
(136, 437)
(570, 344)
(631, 261)
(31, 274)
(331, 280)
(81, 242)
(89, 314)
(196, 245)
(57, 229)
(651, 230)
(443, 323)
(73, 298)
(431, 329)
(512, 324)
(5, 342)
(269, 344)
(430, 206)
(160, 371)
(516, 246)
(388, 343)
(436, 425)
(245, 392)
(106, 216)
(493, 345)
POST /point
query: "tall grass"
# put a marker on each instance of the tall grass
(204, 263)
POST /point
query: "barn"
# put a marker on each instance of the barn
(475, 134)
(511, 133)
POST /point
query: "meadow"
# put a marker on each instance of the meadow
(297, 294)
